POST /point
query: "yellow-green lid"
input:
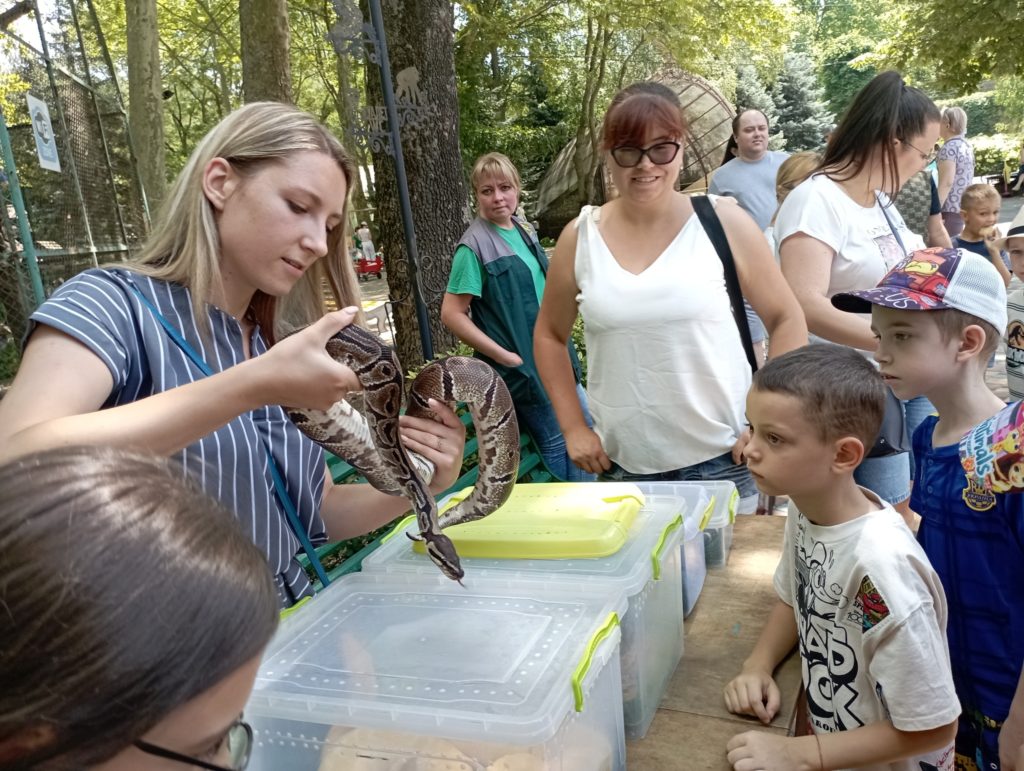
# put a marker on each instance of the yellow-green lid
(560, 520)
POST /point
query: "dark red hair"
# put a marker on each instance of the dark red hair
(636, 110)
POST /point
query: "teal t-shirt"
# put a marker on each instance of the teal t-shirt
(468, 275)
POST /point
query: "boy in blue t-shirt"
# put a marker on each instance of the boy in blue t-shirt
(979, 208)
(938, 316)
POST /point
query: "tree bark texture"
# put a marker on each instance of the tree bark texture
(266, 67)
(145, 97)
(587, 159)
(420, 35)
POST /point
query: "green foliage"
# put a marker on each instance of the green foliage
(962, 43)
(1009, 96)
(843, 76)
(580, 342)
(751, 93)
(803, 117)
(991, 151)
(983, 113)
(9, 360)
(459, 350)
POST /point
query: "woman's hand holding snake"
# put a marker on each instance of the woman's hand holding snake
(397, 453)
(442, 443)
(298, 372)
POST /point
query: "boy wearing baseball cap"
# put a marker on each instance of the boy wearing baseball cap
(938, 316)
(1013, 245)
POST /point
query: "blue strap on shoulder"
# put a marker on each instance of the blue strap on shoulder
(275, 473)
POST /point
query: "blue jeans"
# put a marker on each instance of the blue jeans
(540, 423)
(889, 476)
(721, 467)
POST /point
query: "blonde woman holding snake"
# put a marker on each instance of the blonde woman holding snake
(250, 231)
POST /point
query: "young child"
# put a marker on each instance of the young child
(938, 316)
(1013, 244)
(979, 208)
(135, 614)
(855, 590)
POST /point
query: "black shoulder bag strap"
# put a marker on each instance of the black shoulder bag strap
(708, 217)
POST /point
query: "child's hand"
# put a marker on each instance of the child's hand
(753, 692)
(759, 751)
(991, 235)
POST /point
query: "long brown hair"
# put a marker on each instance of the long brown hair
(885, 110)
(125, 593)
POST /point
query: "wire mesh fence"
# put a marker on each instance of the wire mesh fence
(92, 211)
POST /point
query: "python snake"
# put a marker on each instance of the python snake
(370, 443)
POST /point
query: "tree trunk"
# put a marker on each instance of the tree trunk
(587, 158)
(145, 97)
(266, 68)
(420, 35)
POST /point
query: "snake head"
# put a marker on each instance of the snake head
(441, 550)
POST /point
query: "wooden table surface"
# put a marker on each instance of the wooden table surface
(691, 727)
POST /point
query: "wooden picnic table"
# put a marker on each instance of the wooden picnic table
(692, 726)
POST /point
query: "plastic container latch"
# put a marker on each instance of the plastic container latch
(734, 501)
(288, 611)
(706, 517)
(660, 545)
(588, 656)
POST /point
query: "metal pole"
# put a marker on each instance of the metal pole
(28, 247)
(377, 19)
(58, 105)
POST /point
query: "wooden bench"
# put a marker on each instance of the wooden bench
(344, 557)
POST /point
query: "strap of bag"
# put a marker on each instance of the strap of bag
(708, 217)
(275, 473)
(888, 220)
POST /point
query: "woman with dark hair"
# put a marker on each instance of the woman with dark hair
(135, 614)
(667, 374)
(839, 232)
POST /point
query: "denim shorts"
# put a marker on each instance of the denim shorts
(757, 331)
(887, 477)
(721, 467)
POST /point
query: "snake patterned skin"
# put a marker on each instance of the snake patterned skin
(370, 443)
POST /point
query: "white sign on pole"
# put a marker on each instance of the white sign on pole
(42, 130)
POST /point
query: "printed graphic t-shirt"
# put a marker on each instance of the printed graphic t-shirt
(865, 246)
(971, 501)
(871, 618)
(1015, 344)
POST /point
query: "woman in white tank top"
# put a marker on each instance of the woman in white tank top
(667, 374)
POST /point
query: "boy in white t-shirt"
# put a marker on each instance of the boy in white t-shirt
(856, 592)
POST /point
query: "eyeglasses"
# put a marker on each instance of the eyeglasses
(661, 153)
(235, 748)
(926, 157)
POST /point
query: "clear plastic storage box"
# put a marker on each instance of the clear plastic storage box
(379, 674)
(699, 507)
(647, 570)
(718, 528)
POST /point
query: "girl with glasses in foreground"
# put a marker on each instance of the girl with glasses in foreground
(667, 374)
(135, 611)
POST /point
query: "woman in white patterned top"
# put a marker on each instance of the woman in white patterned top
(251, 231)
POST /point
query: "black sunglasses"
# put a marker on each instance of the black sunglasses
(237, 740)
(661, 153)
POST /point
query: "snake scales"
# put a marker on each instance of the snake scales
(370, 443)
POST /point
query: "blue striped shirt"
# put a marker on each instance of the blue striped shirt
(99, 309)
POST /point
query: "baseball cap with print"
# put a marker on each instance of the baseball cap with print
(935, 279)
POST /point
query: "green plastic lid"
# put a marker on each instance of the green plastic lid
(561, 520)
